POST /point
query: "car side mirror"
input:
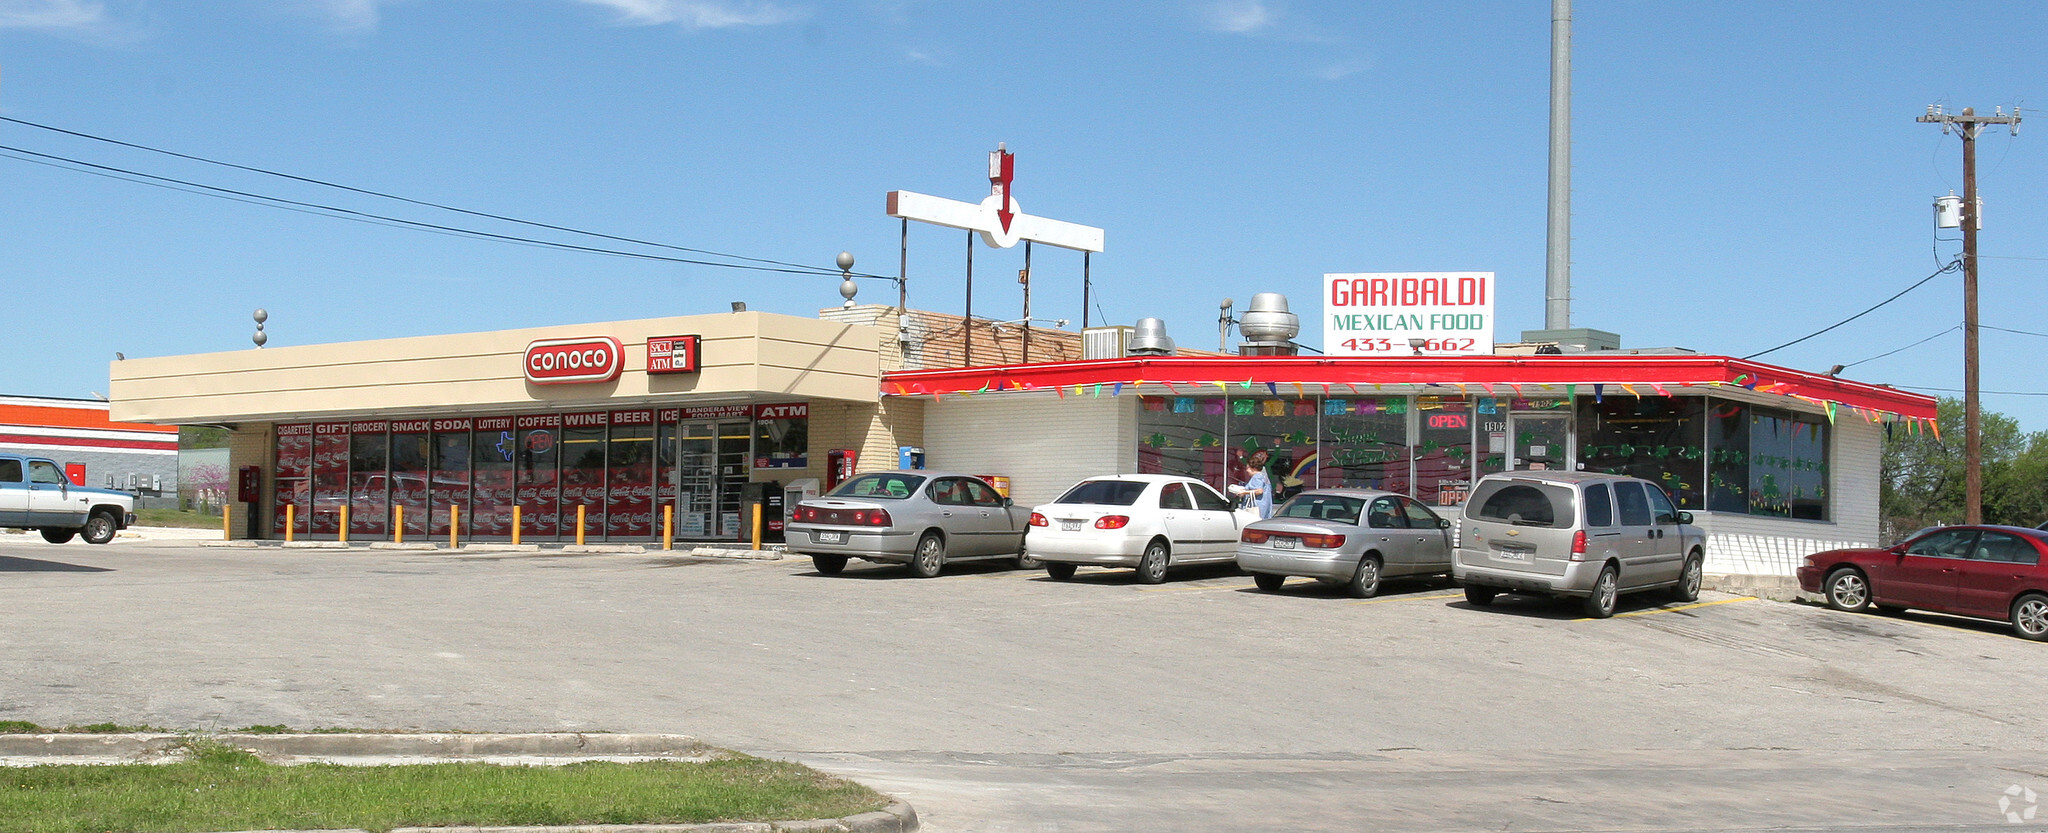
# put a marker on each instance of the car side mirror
(1685, 517)
(1008, 502)
(1443, 523)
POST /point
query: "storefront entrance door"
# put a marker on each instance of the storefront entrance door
(1539, 442)
(711, 466)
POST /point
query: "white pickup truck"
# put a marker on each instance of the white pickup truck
(35, 494)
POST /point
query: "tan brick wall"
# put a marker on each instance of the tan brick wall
(252, 445)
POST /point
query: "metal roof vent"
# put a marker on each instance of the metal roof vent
(1149, 339)
(1268, 328)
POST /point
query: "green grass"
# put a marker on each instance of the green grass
(222, 788)
(23, 727)
(182, 518)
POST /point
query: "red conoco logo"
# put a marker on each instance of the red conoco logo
(572, 360)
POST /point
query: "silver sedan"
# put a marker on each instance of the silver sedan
(1353, 537)
(920, 518)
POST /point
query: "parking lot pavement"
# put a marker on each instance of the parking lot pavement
(1000, 700)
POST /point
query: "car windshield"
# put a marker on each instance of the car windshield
(1105, 492)
(1523, 503)
(880, 486)
(1323, 508)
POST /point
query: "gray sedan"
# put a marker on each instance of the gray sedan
(1353, 537)
(920, 518)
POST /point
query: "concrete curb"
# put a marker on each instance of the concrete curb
(1775, 588)
(604, 548)
(313, 545)
(239, 545)
(378, 749)
(392, 545)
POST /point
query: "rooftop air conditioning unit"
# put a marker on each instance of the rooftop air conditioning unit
(1149, 339)
(1104, 342)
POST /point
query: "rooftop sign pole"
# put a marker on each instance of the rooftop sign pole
(998, 219)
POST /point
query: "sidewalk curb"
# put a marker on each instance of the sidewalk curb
(377, 748)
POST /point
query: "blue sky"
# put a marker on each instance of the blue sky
(1744, 173)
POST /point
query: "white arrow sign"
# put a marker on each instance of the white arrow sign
(981, 217)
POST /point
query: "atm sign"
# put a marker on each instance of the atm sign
(672, 354)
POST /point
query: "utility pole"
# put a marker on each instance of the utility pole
(1557, 281)
(1967, 125)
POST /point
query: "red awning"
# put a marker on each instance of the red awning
(1477, 375)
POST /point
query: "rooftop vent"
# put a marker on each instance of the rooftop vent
(1104, 342)
(1268, 328)
(1149, 339)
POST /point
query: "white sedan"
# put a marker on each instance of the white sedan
(1147, 521)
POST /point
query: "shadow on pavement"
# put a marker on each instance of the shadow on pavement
(9, 564)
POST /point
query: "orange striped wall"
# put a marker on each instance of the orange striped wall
(49, 417)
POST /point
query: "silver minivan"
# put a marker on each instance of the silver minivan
(1576, 535)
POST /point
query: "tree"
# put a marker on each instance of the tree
(1921, 475)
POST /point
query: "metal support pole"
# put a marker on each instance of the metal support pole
(1084, 289)
(967, 321)
(903, 270)
(1557, 283)
(1025, 279)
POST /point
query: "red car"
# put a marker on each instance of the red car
(1990, 572)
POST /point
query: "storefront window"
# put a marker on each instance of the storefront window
(294, 478)
(538, 488)
(782, 436)
(583, 484)
(330, 476)
(1443, 450)
(1182, 435)
(667, 455)
(1788, 468)
(451, 478)
(629, 493)
(491, 456)
(1283, 428)
(369, 487)
(1365, 443)
(1661, 439)
(410, 455)
(1727, 456)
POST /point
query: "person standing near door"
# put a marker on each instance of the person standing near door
(1258, 486)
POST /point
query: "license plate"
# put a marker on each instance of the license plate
(1283, 543)
(1070, 526)
(830, 537)
(1511, 555)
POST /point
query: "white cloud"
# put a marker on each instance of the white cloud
(1342, 70)
(1237, 17)
(701, 14)
(51, 14)
(354, 15)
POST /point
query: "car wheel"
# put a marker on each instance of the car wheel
(2030, 617)
(1847, 589)
(930, 557)
(1695, 574)
(1480, 596)
(1059, 570)
(1600, 603)
(1268, 582)
(58, 536)
(1024, 559)
(1152, 565)
(99, 528)
(1365, 583)
(829, 564)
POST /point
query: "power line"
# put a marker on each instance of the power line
(1960, 390)
(797, 267)
(333, 211)
(1951, 266)
(1905, 348)
(2015, 332)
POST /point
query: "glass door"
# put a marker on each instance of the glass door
(696, 480)
(735, 465)
(1539, 442)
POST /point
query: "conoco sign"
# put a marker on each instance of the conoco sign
(566, 361)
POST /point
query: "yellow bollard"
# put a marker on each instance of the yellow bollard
(757, 526)
(668, 528)
(227, 513)
(454, 524)
(398, 524)
(515, 525)
(344, 523)
(579, 524)
(291, 517)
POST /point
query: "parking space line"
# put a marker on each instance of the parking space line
(1678, 608)
(1193, 589)
(1409, 599)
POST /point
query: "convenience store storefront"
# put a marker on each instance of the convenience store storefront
(1775, 463)
(620, 420)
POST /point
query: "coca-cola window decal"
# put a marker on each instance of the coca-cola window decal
(294, 474)
(583, 479)
(409, 459)
(629, 481)
(449, 485)
(538, 488)
(330, 476)
(369, 489)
